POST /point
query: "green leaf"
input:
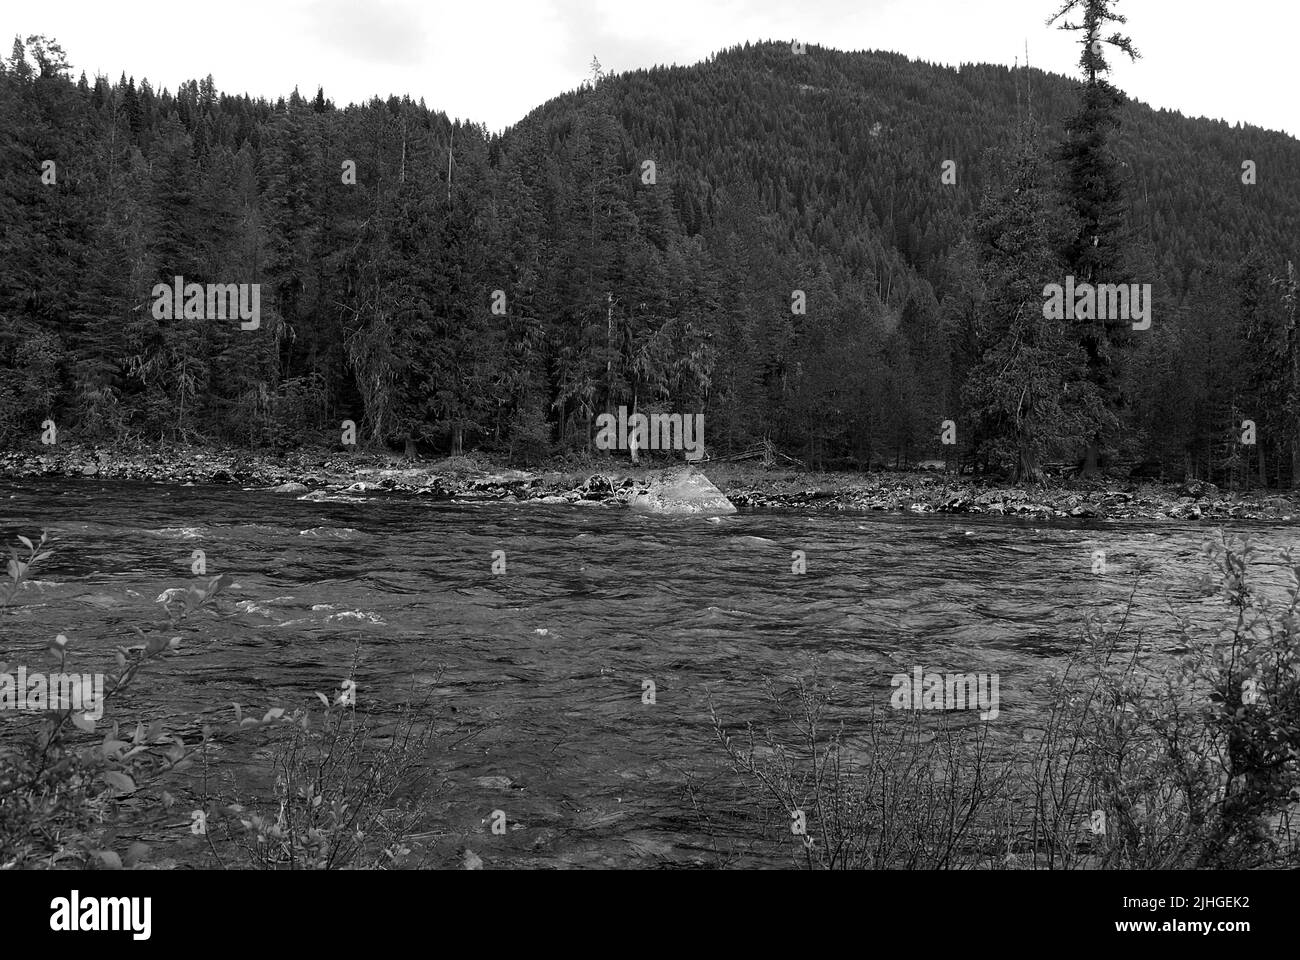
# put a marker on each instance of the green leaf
(26, 543)
(84, 721)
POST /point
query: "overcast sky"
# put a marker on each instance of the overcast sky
(492, 61)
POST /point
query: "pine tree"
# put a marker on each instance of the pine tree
(1096, 250)
(1016, 393)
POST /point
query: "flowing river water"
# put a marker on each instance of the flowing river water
(536, 677)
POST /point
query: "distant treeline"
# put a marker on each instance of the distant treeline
(765, 238)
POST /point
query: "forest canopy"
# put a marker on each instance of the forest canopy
(835, 252)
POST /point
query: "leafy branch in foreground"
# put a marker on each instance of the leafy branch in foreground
(55, 781)
(345, 795)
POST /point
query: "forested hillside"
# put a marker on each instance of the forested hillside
(767, 238)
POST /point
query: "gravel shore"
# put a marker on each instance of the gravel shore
(615, 482)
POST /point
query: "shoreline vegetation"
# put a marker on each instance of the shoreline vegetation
(594, 481)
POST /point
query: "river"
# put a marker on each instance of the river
(538, 674)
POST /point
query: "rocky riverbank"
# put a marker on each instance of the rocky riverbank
(594, 483)
(1108, 499)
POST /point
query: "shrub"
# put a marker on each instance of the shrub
(64, 771)
(1193, 757)
(898, 796)
(1149, 759)
(346, 792)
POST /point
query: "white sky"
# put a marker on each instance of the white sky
(492, 61)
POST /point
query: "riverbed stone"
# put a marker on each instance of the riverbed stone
(679, 492)
(1197, 489)
(290, 488)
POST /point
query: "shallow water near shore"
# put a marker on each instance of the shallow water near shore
(537, 675)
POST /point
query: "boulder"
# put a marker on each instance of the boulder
(506, 480)
(681, 492)
(290, 488)
(1197, 489)
(597, 487)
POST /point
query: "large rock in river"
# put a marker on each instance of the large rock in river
(681, 492)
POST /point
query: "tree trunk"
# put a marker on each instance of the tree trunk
(1089, 468)
(457, 440)
(1029, 470)
(631, 438)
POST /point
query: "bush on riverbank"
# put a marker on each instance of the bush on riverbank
(66, 773)
(1194, 758)
(899, 796)
(347, 791)
(1148, 760)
